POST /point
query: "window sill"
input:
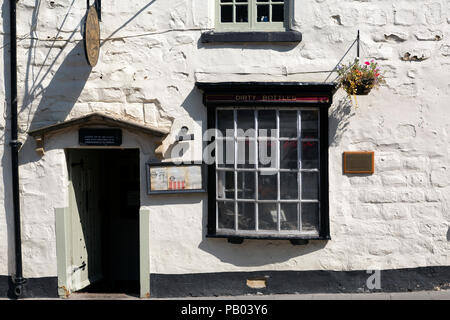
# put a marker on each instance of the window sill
(280, 37)
(295, 240)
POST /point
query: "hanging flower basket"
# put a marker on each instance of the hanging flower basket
(357, 79)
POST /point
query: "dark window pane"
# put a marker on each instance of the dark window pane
(267, 154)
(225, 1)
(288, 185)
(246, 154)
(225, 184)
(310, 185)
(268, 216)
(246, 185)
(288, 124)
(241, 0)
(310, 217)
(242, 13)
(267, 120)
(225, 120)
(263, 13)
(226, 215)
(245, 119)
(246, 216)
(288, 155)
(310, 155)
(267, 186)
(310, 124)
(289, 216)
(278, 13)
(226, 13)
(225, 153)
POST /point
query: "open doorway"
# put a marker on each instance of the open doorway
(104, 196)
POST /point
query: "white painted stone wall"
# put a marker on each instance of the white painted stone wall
(150, 58)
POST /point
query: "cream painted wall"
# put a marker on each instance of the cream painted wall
(151, 57)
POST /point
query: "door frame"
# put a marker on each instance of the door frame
(63, 230)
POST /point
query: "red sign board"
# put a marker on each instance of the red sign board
(264, 98)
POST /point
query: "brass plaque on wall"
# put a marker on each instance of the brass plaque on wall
(92, 36)
(359, 162)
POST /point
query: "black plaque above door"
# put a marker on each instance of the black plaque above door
(100, 137)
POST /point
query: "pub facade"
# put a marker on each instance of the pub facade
(207, 148)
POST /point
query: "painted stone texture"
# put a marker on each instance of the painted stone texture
(151, 57)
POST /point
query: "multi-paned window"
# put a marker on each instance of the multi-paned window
(246, 15)
(268, 171)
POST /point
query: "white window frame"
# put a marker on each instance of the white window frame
(252, 24)
(279, 232)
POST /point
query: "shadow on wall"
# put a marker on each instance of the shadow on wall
(59, 97)
(339, 119)
(62, 92)
(254, 253)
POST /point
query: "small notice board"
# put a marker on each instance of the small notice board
(167, 177)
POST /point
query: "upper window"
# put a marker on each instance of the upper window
(251, 15)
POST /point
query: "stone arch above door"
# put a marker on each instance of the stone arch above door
(98, 119)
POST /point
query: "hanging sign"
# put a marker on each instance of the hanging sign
(92, 37)
(172, 178)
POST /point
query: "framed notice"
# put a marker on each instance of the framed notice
(167, 177)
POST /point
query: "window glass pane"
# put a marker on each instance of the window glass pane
(267, 216)
(225, 120)
(267, 154)
(241, 0)
(310, 216)
(288, 216)
(263, 13)
(246, 154)
(246, 185)
(225, 153)
(310, 185)
(226, 13)
(225, 184)
(242, 13)
(246, 216)
(226, 215)
(310, 155)
(288, 185)
(267, 120)
(224, 1)
(288, 155)
(278, 13)
(246, 120)
(288, 124)
(310, 124)
(267, 186)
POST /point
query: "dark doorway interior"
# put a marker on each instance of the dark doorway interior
(116, 200)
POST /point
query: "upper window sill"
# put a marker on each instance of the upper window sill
(257, 36)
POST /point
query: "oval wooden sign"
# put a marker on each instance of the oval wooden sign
(92, 37)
